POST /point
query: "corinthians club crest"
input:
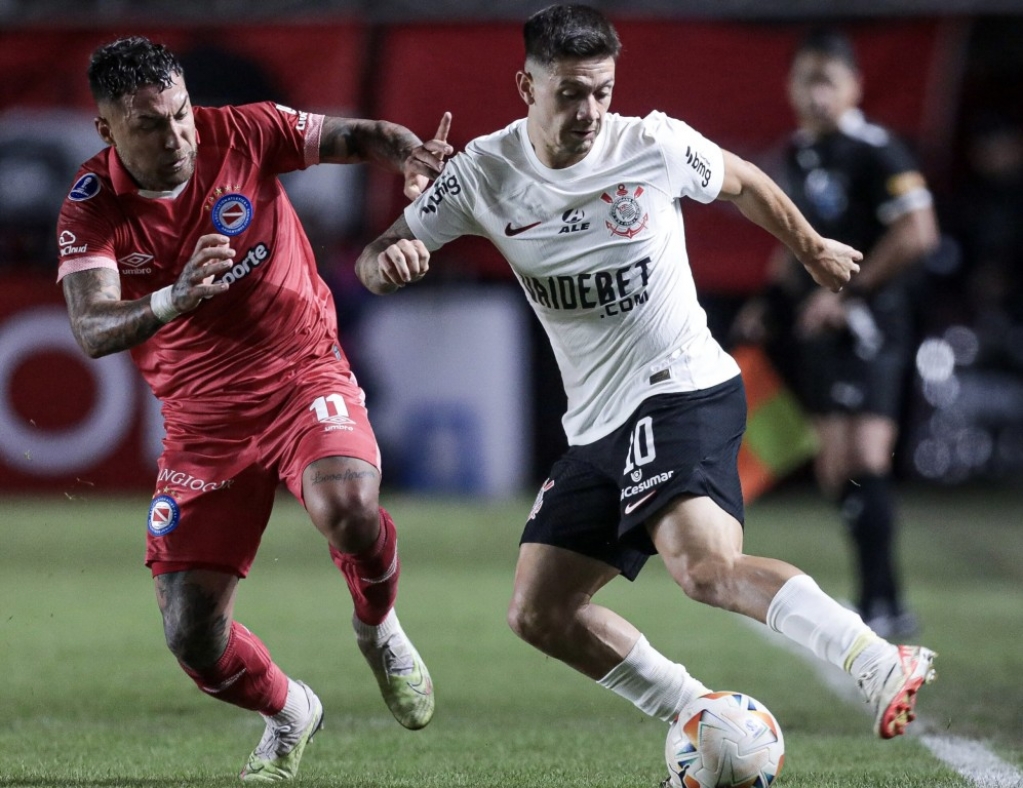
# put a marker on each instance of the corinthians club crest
(628, 219)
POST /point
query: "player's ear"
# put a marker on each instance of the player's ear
(858, 89)
(524, 82)
(103, 129)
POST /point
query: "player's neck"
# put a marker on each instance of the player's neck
(553, 156)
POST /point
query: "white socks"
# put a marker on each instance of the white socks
(296, 705)
(805, 614)
(367, 633)
(652, 682)
(800, 610)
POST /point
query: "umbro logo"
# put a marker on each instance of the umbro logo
(135, 260)
(511, 232)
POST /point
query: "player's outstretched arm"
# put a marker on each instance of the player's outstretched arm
(104, 324)
(830, 263)
(393, 260)
(353, 140)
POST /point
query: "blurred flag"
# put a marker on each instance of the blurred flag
(779, 435)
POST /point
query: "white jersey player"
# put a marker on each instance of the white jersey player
(599, 249)
(585, 206)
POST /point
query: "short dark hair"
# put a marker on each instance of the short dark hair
(122, 67)
(569, 31)
(829, 43)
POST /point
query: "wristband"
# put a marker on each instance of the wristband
(162, 304)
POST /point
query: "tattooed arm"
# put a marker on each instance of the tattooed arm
(351, 140)
(103, 323)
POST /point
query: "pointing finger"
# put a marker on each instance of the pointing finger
(443, 128)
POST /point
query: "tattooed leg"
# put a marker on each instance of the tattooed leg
(223, 658)
(341, 495)
(197, 606)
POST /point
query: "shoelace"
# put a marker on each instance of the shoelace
(866, 678)
(869, 681)
(275, 738)
(396, 664)
(870, 675)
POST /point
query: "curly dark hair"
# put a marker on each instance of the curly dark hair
(122, 67)
(569, 31)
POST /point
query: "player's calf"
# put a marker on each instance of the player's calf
(372, 575)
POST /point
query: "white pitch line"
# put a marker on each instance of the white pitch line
(971, 759)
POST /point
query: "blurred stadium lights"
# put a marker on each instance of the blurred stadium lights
(92, 11)
(975, 426)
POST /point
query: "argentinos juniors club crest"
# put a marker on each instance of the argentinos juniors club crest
(232, 213)
(628, 219)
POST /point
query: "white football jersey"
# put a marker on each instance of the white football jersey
(599, 250)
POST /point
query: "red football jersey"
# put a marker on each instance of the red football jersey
(278, 312)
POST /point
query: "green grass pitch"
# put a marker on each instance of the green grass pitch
(91, 698)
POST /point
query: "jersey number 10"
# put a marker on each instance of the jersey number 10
(641, 450)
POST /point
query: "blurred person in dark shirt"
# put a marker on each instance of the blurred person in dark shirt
(847, 353)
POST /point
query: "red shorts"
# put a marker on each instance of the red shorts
(219, 472)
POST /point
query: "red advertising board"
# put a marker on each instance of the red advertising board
(67, 422)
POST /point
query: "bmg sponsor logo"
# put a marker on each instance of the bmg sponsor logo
(699, 164)
(442, 187)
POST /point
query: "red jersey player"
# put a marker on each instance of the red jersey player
(179, 244)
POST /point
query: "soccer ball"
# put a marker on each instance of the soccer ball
(724, 740)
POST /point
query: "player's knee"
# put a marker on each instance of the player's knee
(349, 518)
(195, 644)
(536, 625)
(519, 619)
(706, 580)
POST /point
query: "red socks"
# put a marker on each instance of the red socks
(245, 675)
(372, 575)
